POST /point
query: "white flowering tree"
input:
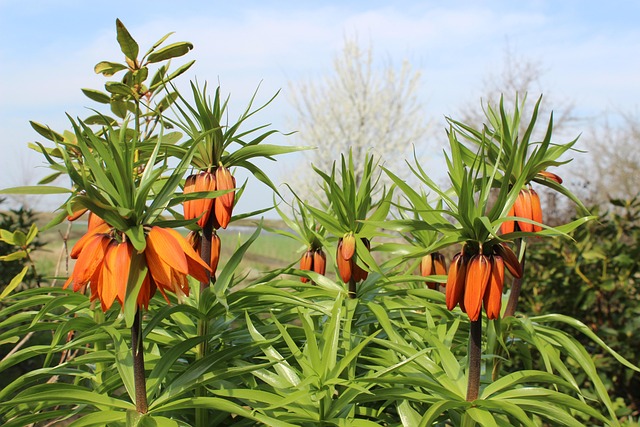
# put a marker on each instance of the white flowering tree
(360, 107)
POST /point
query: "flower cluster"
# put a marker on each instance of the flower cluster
(313, 260)
(104, 259)
(477, 279)
(433, 264)
(221, 206)
(345, 259)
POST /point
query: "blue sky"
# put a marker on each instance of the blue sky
(589, 51)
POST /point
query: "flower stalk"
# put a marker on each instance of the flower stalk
(475, 354)
(137, 350)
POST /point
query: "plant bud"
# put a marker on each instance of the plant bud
(348, 246)
(550, 175)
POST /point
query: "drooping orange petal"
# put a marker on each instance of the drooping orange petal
(456, 281)
(77, 248)
(225, 181)
(162, 241)
(215, 253)
(146, 292)
(196, 265)
(509, 226)
(306, 263)
(523, 209)
(509, 258)
(477, 279)
(77, 214)
(536, 210)
(426, 264)
(94, 221)
(159, 270)
(107, 290)
(319, 261)
(222, 214)
(493, 295)
(89, 260)
(205, 181)
(187, 205)
(438, 267)
(123, 255)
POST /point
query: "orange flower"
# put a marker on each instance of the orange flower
(527, 205)
(195, 241)
(104, 263)
(203, 181)
(215, 253)
(433, 264)
(319, 261)
(223, 205)
(345, 259)
(77, 214)
(313, 260)
(493, 295)
(456, 281)
(306, 263)
(170, 260)
(348, 247)
(510, 259)
(536, 210)
(345, 266)
(476, 280)
(550, 175)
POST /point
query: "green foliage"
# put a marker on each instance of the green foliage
(596, 279)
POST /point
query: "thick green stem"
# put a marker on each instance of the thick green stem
(475, 353)
(514, 296)
(139, 378)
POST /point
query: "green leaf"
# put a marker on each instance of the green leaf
(46, 132)
(14, 283)
(107, 69)
(124, 361)
(14, 256)
(118, 88)
(127, 44)
(68, 394)
(35, 189)
(171, 51)
(96, 95)
(98, 419)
